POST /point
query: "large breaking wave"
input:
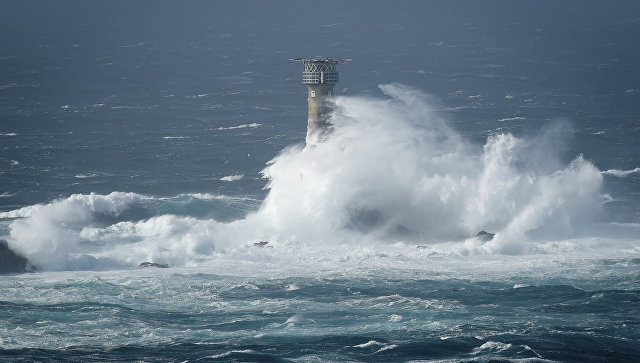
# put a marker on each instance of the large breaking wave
(392, 173)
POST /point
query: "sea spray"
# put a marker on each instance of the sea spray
(392, 171)
(48, 234)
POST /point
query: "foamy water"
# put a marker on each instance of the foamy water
(392, 175)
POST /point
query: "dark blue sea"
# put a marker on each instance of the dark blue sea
(174, 133)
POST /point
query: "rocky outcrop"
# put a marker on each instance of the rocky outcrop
(11, 262)
(484, 236)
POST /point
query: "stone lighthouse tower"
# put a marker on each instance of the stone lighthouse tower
(320, 75)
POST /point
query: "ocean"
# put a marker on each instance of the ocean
(174, 134)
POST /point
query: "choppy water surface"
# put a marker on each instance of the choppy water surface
(173, 134)
(457, 308)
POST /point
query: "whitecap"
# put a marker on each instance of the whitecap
(621, 173)
(230, 178)
(294, 319)
(512, 118)
(368, 344)
(374, 343)
(387, 347)
(85, 176)
(49, 234)
(491, 346)
(292, 287)
(243, 126)
(230, 352)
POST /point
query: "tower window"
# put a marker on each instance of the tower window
(313, 93)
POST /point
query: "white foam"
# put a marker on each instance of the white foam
(49, 234)
(491, 346)
(387, 347)
(374, 343)
(230, 178)
(294, 319)
(85, 176)
(394, 166)
(512, 118)
(244, 126)
(230, 352)
(367, 344)
(621, 173)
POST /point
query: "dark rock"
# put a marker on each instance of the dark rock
(11, 262)
(153, 264)
(484, 236)
(261, 244)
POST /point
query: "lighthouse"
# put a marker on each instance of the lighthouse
(320, 76)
